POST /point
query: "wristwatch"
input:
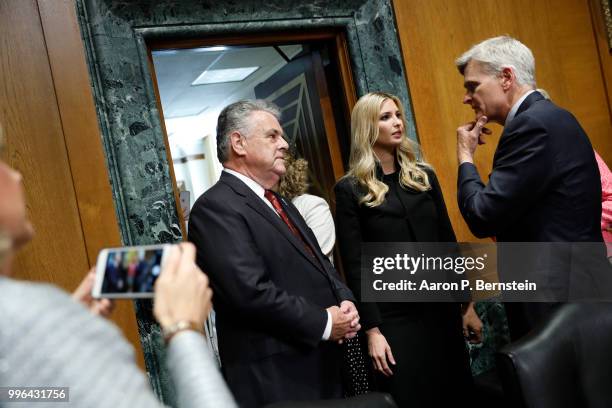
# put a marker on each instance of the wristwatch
(180, 326)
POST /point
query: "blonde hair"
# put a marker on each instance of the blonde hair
(295, 180)
(362, 161)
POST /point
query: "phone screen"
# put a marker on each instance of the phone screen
(128, 272)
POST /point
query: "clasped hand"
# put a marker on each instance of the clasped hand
(345, 321)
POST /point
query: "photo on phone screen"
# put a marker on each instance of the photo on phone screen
(128, 272)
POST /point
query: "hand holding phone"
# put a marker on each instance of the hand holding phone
(182, 293)
(83, 295)
(168, 272)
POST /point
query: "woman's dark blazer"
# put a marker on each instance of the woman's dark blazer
(356, 223)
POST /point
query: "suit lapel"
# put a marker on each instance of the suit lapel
(527, 103)
(402, 198)
(268, 213)
(257, 204)
(301, 226)
(530, 100)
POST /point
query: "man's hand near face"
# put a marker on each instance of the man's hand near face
(469, 136)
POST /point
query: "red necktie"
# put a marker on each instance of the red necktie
(281, 212)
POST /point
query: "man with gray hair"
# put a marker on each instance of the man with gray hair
(544, 186)
(281, 308)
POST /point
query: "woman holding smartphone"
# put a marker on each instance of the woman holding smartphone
(389, 195)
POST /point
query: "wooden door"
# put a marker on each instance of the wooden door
(561, 35)
(47, 112)
(295, 89)
(327, 84)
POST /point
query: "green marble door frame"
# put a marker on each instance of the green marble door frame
(115, 35)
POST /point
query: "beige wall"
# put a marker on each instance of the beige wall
(570, 65)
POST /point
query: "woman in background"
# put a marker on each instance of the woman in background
(293, 185)
(606, 203)
(388, 195)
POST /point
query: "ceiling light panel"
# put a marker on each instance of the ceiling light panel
(218, 76)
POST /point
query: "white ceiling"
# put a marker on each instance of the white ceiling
(177, 69)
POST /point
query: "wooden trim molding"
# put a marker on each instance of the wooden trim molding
(191, 157)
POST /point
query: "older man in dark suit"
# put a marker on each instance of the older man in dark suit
(544, 186)
(281, 307)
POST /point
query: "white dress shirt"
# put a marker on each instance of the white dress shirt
(516, 106)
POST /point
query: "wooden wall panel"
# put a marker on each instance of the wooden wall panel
(84, 143)
(36, 148)
(47, 111)
(80, 125)
(433, 33)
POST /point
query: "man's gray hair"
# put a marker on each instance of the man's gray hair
(235, 117)
(502, 52)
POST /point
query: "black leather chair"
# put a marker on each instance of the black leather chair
(488, 391)
(370, 400)
(565, 362)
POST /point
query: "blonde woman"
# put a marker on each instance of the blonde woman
(388, 195)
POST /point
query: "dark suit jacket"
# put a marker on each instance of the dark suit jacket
(423, 336)
(270, 296)
(545, 184)
(426, 220)
(544, 187)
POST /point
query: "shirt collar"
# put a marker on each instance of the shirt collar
(516, 106)
(252, 184)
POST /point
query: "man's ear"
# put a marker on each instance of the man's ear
(508, 78)
(238, 143)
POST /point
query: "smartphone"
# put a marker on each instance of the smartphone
(128, 272)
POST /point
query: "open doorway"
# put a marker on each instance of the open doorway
(308, 78)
